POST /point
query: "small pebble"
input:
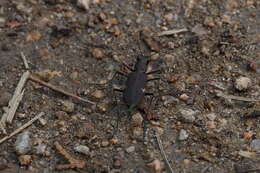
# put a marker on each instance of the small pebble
(137, 120)
(156, 166)
(105, 143)
(242, 83)
(155, 56)
(199, 30)
(61, 115)
(98, 53)
(114, 141)
(25, 159)
(137, 133)
(85, 131)
(23, 143)
(252, 66)
(188, 115)
(184, 97)
(41, 149)
(255, 144)
(83, 4)
(211, 124)
(130, 149)
(248, 135)
(4, 98)
(168, 100)
(169, 59)
(183, 135)
(211, 116)
(209, 21)
(74, 75)
(42, 121)
(67, 106)
(169, 17)
(119, 159)
(2, 20)
(82, 149)
(98, 94)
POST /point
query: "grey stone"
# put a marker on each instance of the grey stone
(23, 143)
(183, 135)
(188, 115)
(255, 144)
(82, 149)
(67, 106)
(130, 149)
(242, 83)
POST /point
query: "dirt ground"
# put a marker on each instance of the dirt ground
(212, 58)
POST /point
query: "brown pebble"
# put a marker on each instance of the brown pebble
(104, 143)
(156, 166)
(98, 53)
(184, 97)
(113, 141)
(137, 120)
(25, 159)
(211, 125)
(209, 21)
(98, 94)
(67, 106)
(74, 75)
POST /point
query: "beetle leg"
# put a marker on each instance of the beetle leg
(153, 71)
(128, 67)
(156, 78)
(148, 94)
(122, 73)
(119, 90)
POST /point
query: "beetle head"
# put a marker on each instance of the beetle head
(141, 63)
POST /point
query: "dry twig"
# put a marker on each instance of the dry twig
(59, 90)
(162, 151)
(22, 127)
(173, 31)
(221, 94)
(14, 102)
(25, 61)
(73, 163)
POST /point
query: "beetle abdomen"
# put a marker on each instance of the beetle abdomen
(134, 91)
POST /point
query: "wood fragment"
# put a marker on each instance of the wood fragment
(14, 102)
(73, 163)
(221, 94)
(32, 78)
(173, 31)
(162, 151)
(25, 62)
(12, 110)
(22, 127)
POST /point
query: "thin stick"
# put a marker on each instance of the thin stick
(73, 163)
(221, 94)
(171, 32)
(162, 151)
(14, 102)
(25, 61)
(59, 90)
(13, 109)
(22, 127)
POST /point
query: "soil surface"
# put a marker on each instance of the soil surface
(207, 95)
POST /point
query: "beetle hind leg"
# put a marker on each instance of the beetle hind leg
(152, 79)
